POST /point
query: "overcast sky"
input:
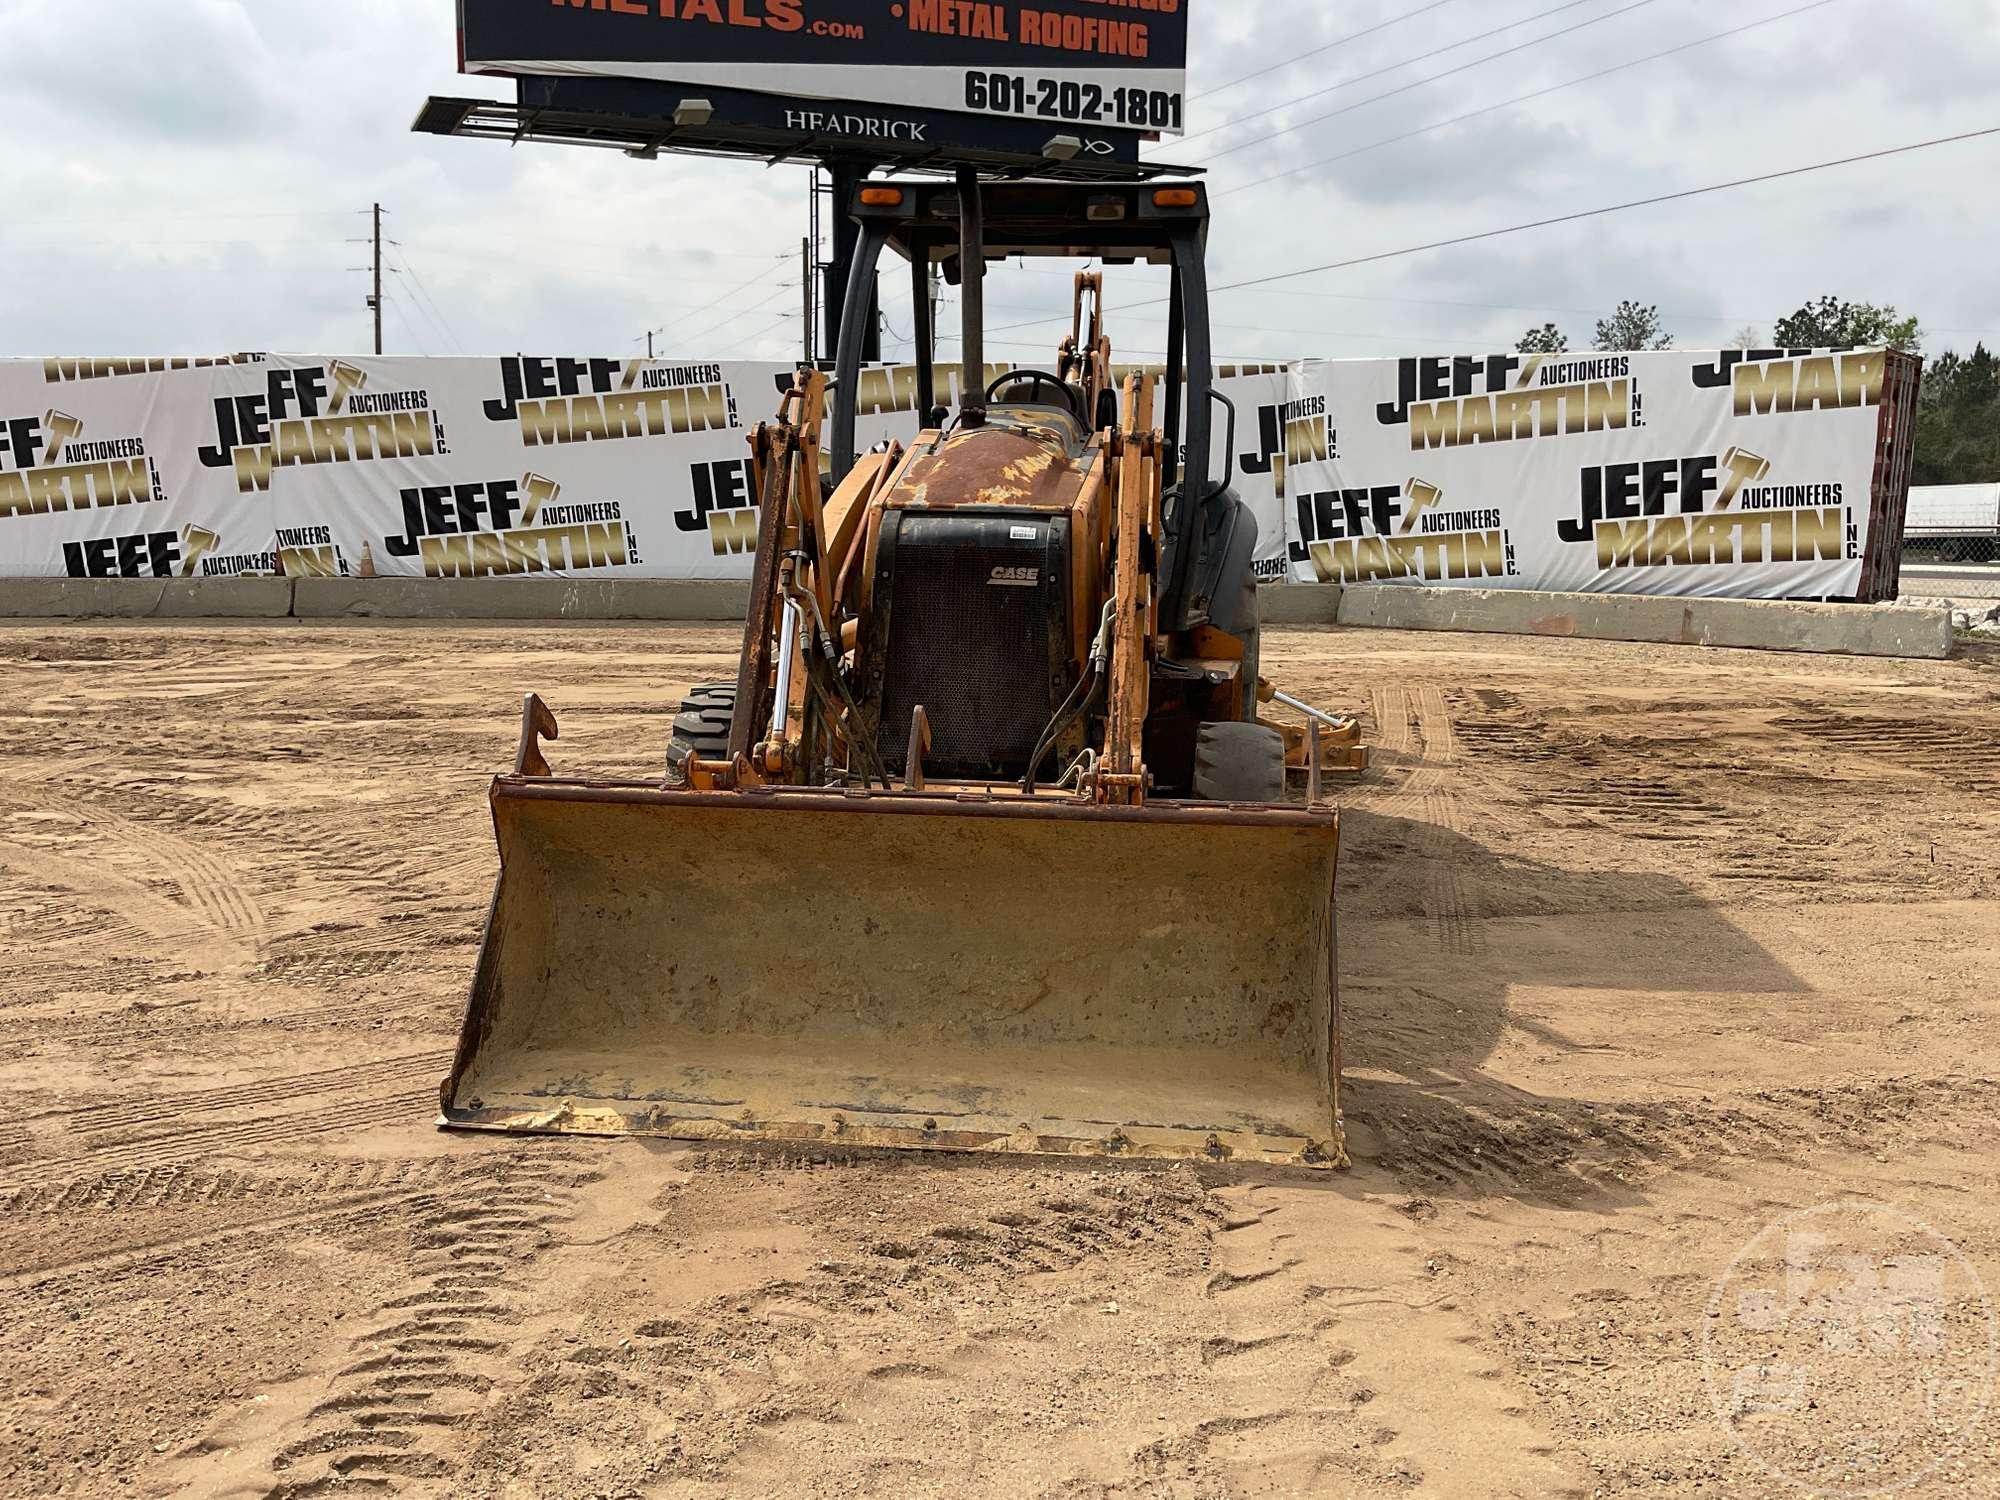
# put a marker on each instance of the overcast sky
(191, 178)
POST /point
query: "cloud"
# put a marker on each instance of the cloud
(195, 177)
(193, 71)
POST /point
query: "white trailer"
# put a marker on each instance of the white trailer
(1957, 522)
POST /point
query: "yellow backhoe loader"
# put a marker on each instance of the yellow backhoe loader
(986, 847)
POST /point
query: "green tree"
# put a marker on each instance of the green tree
(1633, 327)
(1958, 420)
(1548, 339)
(1831, 323)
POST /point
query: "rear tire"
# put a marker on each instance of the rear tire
(701, 729)
(1239, 763)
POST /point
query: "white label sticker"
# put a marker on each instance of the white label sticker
(1024, 533)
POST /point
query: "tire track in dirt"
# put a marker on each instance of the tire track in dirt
(397, 938)
(355, 857)
(441, 1348)
(1390, 707)
(248, 1232)
(1352, 1366)
(991, 1286)
(1453, 920)
(1566, 1150)
(174, 1187)
(415, 1106)
(1920, 739)
(1281, 1422)
(58, 926)
(1425, 797)
(93, 1136)
(181, 1022)
(109, 1115)
(123, 904)
(212, 889)
(1642, 808)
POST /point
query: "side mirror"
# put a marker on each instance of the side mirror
(1228, 446)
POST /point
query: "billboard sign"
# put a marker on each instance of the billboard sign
(774, 125)
(1105, 65)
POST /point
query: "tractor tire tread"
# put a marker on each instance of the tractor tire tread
(702, 726)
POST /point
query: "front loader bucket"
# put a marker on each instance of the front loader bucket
(907, 969)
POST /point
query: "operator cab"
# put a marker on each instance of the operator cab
(1038, 401)
(988, 571)
(960, 227)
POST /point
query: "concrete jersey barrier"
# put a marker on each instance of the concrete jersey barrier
(1750, 624)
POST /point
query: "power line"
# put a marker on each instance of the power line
(621, 272)
(408, 327)
(424, 292)
(740, 287)
(422, 312)
(1477, 62)
(1348, 82)
(634, 243)
(206, 216)
(730, 315)
(1432, 338)
(1521, 307)
(1542, 93)
(741, 312)
(1615, 208)
(68, 245)
(1352, 36)
(779, 321)
(1570, 218)
(159, 268)
(427, 312)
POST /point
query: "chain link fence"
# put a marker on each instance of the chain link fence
(1964, 570)
(1951, 551)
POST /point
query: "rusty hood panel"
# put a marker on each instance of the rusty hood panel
(1015, 460)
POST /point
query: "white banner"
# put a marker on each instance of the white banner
(1644, 473)
(314, 465)
(1724, 474)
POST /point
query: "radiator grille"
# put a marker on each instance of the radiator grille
(978, 621)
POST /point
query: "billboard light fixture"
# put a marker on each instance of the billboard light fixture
(693, 112)
(1063, 147)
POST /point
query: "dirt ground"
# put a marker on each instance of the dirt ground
(1643, 950)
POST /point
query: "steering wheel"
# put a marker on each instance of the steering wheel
(1035, 379)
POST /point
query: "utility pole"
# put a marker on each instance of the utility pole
(649, 342)
(806, 292)
(376, 301)
(814, 234)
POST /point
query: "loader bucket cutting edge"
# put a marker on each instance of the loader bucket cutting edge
(909, 970)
